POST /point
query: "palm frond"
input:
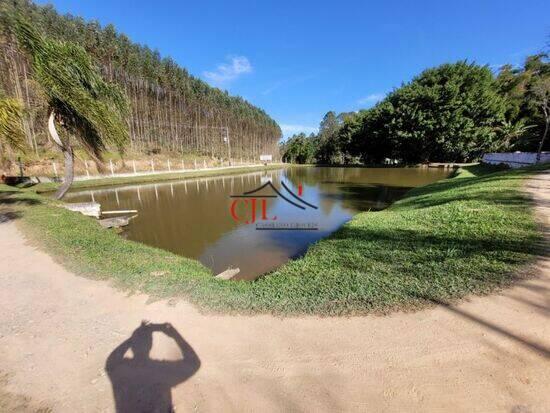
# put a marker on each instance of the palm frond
(92, 109)
(11, 131)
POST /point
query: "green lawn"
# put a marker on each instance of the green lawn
(463, 235)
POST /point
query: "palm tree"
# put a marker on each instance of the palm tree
(89, 109)
(511, 132)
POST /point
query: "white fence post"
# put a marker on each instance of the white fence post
(204, 163)
(134, 164)
(112, 169)
(86, 166)
(169, 169)
(54, 169)
(152, 165)
(182, 165)
(194, 160)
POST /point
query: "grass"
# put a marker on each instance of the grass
(469, 234)
(139, 179)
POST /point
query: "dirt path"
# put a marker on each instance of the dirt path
(57, 331)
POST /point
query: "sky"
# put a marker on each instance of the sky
(299, 59)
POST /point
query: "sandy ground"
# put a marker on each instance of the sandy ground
(57, 331)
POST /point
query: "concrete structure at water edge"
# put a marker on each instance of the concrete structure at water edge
(515, 159)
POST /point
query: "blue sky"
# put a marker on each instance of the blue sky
(299, 59)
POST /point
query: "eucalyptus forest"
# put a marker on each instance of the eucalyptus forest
(169, 109)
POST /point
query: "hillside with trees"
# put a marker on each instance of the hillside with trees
(169, 109)
(453, 112)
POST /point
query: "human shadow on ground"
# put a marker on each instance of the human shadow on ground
(142, 384)
(10, 205)
(7, 200)
(7, 216)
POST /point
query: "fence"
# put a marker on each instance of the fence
(85, 169)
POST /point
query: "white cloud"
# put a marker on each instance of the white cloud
(372, 98)
(289, 130)
(226, 72)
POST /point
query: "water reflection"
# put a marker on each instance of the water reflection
(192, 217)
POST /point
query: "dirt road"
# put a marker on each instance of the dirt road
(58, 331)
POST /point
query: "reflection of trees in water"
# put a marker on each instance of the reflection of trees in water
(367, 197)
(312, 176)
(349, 186)
(393, 177)
(190, 217)
(172, 220)
(182, 217)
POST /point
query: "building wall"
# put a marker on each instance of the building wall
(515, 159)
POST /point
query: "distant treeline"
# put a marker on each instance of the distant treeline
(453, 112)
(169, 108)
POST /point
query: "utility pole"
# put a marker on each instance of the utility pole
(21, 166)
(226, 140)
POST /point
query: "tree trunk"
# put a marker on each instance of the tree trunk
(543, 139)
(69, 172)
(68, 156)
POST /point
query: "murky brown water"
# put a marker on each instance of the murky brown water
(193, 217)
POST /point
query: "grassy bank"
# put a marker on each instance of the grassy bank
(468, 234)
(141, 179)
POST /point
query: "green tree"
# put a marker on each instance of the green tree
(447, 113)
(516, 86)
(371, 139)
(541, 97)
(299, 149)
(327, 146)
(79, 99)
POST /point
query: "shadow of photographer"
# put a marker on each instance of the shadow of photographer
(142, 384)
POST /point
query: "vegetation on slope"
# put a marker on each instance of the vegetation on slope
(83, 104)
(453, 112)
(170, 109)
(463, 235)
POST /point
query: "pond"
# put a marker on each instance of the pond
(254, 221)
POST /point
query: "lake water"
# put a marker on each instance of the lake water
(206, 218)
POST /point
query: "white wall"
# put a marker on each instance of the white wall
(515, 159)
